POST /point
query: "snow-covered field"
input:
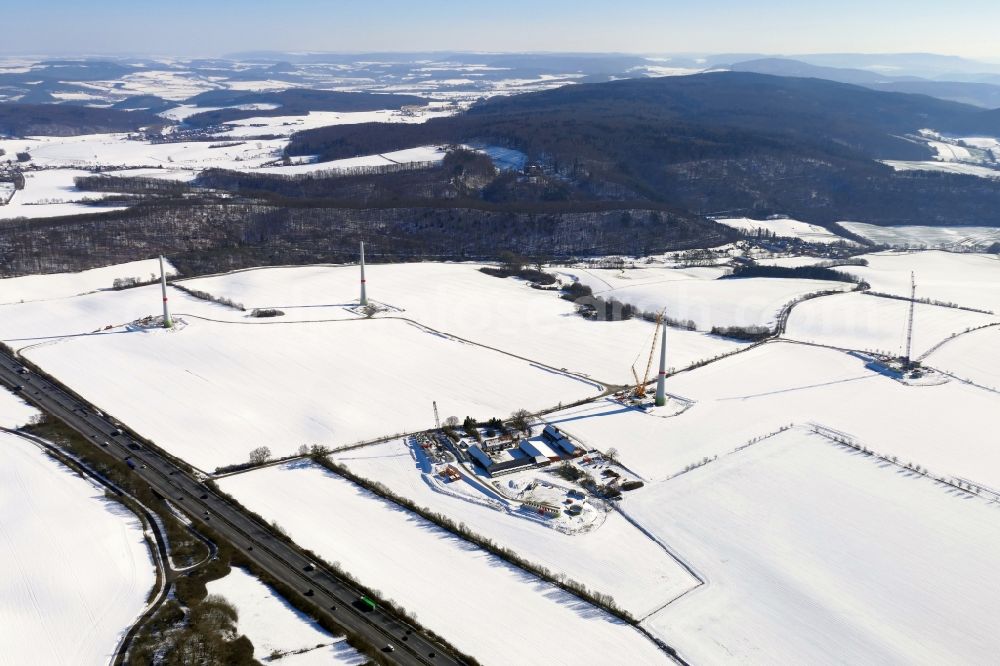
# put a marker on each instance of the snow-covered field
(74, 567)
(14, 412)
(969, 238)
(949, 152)
(863, 322)
(460, 300)
(118, 151)
(165, 83)
(946, 167)
(783, 228)
(695, 294)
(816, 554)
(100, 313)
(974, 357)
(970, 280)
(51, 193)
(272, 625)
(232, 387)
(59, 285)
(288, 125)
(759, 391)
(491, 610)
(643, 578)
(791, 262)
(408, 156)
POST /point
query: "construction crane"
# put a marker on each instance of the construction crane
(909, 323)
(437, 417)
(640, 386)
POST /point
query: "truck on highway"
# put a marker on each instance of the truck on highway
(367, 604)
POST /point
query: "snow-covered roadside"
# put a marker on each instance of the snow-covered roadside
(277, 628)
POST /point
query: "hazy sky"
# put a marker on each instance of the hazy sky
(214, 27)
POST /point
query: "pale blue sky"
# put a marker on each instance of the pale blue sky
(213, 27)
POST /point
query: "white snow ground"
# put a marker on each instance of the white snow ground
(946, 167)
(644, 577)
(509, 315)
(783, 228)
(970, 280)
(51, 193)
(58, 285)
(233, 387)
(102, 313)
(759, 391)
(863, 322)
(288, 125)
(486, 607)
(421, 154)
(967, 238)
(973, 357)
(696, 294)
(817, 554)
(74, 567)
(14, 412)
(273, 625)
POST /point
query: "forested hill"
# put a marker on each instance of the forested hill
(70, 120)
(719, 141)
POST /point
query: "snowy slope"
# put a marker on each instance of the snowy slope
(50, 193)
(272, 624)
(288, 125)
(58, 285)
(974, 357)
(487, 608)
(970, 280)
(25, 324)
(643, 577)
(14, 412)
(118, 151)
(757, 392)
(210, 392)
(859, 321)
(421, 154)
(783, 228)
(817, 555)
(460, 300)
(695, 294)
(927, 237)
(945, 167)
(74, 567)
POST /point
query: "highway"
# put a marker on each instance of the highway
(281, 560)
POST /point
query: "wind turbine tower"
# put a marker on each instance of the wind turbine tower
(364, 296)
(167, 321)
(661, 389)
(909, 323)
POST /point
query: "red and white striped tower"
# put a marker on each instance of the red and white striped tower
(364, 296)
(167, 321)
